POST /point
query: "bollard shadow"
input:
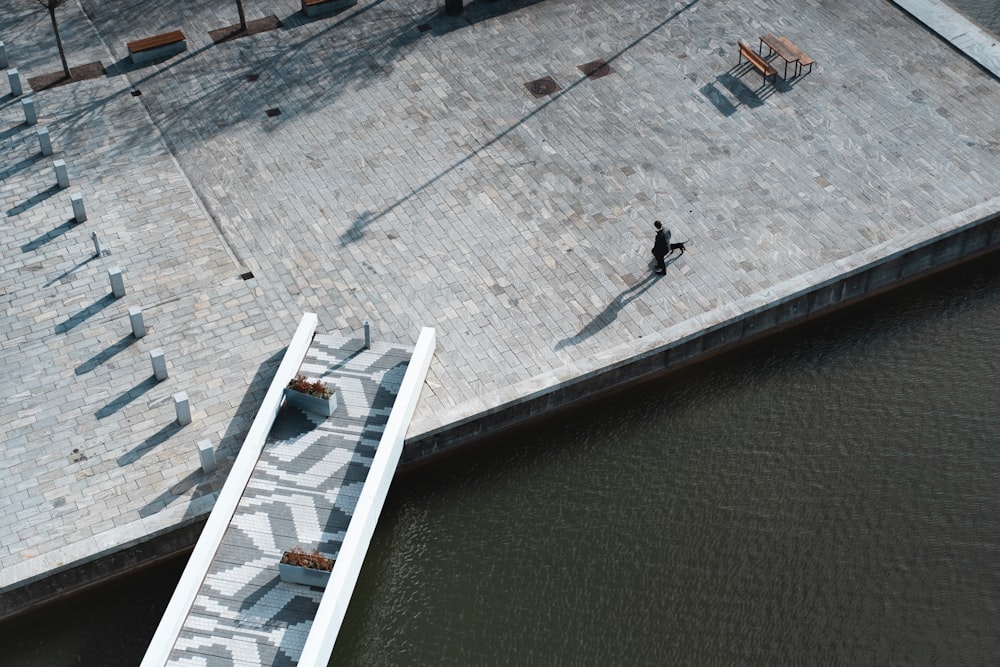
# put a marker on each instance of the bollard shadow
(149, 443)
(37, 199)
(126, 398)
(49, 235)
(70, 271)
(610, 313)
(18, 166)
(9, 98)
(11, 131)
(85, 314)
(106, 354)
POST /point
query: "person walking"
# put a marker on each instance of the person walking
(661, 246)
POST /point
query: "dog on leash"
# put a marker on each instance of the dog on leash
(677, 246)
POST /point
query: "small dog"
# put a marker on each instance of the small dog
(677, 246)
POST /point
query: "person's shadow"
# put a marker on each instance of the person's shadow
(610, 313)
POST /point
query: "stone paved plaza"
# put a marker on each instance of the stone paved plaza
(388, 164)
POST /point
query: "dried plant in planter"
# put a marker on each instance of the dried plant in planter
(314, 560)
(302, 384)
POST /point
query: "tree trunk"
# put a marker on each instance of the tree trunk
(243, 15)
(62, 52)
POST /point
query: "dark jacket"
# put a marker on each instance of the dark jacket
(661, 246)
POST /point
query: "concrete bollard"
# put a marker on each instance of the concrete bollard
(159, 364)
(44, 141)
(207, 455)
(182, 406)
(15, 82)
(97, 246)
(117, 282)
(135, 319)
(79, 210)
(30, 114)
(368, 336)
(3, 56)
(62, 176)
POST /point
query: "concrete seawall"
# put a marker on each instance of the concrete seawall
(971, 234)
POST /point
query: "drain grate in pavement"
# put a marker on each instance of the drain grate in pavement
(136, 93)
(253, 77)
(424, 27)
(542, 87)
(271, 113)
(247, 276)
(595, 69)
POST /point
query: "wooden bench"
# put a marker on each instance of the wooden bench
(321, 7)
(756, 60)
(801, 59)
(158, 46)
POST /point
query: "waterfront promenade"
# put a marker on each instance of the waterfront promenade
(405, 176)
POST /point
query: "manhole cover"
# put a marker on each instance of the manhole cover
(271, 113)
(542, 87)
(595, 69)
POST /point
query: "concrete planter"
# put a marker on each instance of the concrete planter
(322, 406)
(306, 576)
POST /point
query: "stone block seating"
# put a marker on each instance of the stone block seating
(156, 47)
(322, 7)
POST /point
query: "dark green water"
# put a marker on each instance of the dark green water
(830, 496)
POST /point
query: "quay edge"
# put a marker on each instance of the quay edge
(795, 302)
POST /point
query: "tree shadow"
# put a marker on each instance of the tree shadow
(149, 443)
(106, 354)
(54, 233)
(126, 398)
(610, 312)
(85, 314)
